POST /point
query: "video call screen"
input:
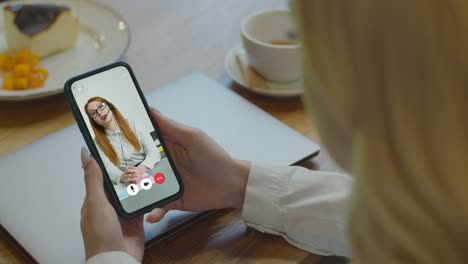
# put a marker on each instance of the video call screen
(125, 138)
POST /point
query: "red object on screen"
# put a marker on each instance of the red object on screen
(159, 178)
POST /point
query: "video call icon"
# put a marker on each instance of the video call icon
(146, 184)
(159, 178)
(132, 189)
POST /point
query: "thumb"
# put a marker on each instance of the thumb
(93, 177)
(157, 214)
(180, 133)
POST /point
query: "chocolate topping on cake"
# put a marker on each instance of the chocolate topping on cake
(33, 19)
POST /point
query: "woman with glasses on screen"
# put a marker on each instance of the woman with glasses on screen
(126, 150)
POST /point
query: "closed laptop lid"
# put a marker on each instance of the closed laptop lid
(42, 186)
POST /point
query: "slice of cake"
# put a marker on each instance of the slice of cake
(42, 28)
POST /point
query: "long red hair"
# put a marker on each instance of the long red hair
(100, 133)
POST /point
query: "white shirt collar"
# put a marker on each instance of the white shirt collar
(117, 131)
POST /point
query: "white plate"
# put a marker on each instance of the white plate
(291, 89)
(104, 38)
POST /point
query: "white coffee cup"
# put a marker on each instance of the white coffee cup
(277, 63)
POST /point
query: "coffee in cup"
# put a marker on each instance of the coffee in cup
(269, 40)
(282, 42)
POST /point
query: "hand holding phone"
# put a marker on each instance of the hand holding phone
(125, 140)
(213, 179)
(116, 234)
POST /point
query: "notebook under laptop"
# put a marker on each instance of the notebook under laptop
(42, 184)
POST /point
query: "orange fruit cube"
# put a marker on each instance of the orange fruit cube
(36, 81)
(22, 70)
(8, 84)
(8, 75)
(24, 56)
(7, 65)
(4, 57)
(41, 71)
(20, 83)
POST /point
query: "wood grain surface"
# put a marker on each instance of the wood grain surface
(171, 39)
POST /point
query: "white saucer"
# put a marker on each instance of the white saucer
(104, 38)
(282, 90)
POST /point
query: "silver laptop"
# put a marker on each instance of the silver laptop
(42, 184)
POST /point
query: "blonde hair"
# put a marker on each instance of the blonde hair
(395, 74)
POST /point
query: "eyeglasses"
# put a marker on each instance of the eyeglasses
(100, 108)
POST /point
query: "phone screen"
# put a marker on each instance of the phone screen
(129, 146)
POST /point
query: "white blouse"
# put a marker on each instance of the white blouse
(128, 156)
(307, 208)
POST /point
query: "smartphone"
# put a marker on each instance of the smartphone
(117, 126)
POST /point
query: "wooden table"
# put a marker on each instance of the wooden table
(171, 39)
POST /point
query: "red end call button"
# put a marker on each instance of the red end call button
(159, 178)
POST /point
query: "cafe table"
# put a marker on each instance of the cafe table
(169, 39)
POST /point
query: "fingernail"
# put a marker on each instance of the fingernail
(147, 219)
(84, 156)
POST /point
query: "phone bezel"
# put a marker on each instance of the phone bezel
(94, 152)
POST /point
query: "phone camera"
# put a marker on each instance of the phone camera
(77, 89)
